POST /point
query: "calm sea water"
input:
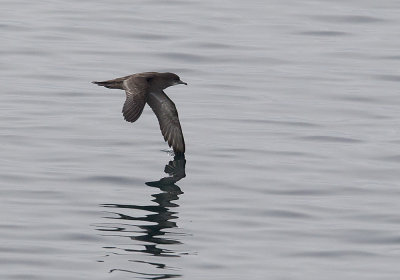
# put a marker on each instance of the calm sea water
(291, 120)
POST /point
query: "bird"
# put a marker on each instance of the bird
(148, 87)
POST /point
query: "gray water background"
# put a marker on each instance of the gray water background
(291, 120)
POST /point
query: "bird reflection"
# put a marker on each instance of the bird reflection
(154, 232)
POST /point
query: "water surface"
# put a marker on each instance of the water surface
(291, 124)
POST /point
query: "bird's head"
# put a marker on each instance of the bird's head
(171, 79)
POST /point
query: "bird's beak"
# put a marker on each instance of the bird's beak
(181, 82)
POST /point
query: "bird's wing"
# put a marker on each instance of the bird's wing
(136, 89)
(167, 116)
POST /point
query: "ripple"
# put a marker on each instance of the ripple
(390, 57)
(394, 158)
(388, 77)
(287, 214)
(331, 139)
(372, 237)
(221, 46)
(234, 152)
(301, 192)
(154, 36)
(334, 254)
(347, 19)
(119, 180)
(277, 122)
(358, 99)
(147, 275)
(187, 57)
(325, 33)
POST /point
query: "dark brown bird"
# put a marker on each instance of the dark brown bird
(148, 88)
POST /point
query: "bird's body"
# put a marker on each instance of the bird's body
(148, 88)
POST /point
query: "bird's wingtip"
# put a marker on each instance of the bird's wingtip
(179, 155)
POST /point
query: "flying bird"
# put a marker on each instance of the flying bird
(148, 87)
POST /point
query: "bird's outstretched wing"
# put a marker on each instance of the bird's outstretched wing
(136, 89)
(167, 116)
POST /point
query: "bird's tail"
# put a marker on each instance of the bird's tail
(116, 83)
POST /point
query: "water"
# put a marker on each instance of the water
(291, 124)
